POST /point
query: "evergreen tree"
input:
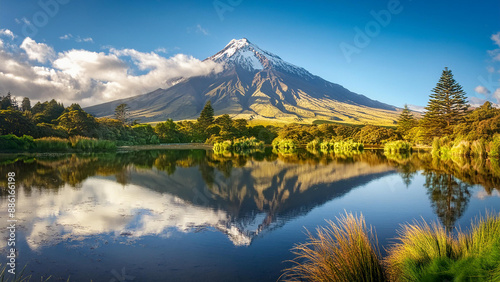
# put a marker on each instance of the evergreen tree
(447, 106)
(7, 102)
(206, 116)
(26, 104)
(406, 121)
(122, 113)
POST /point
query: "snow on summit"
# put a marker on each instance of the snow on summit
(249, 56)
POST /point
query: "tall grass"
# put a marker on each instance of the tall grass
(81, 143)
(419, 246)
(347, 251)
(344, 251)
(397, 147)
(429, 253)
(52, 144)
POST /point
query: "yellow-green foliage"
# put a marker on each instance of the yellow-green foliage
(52, 144)
(495, 147)
(429, 253)
(90, 144)
(314, 145)
(397, 147)
(461, 148)
(347, 146)
(344, 251)
(284, 145)
(238, 145)
(478, 148)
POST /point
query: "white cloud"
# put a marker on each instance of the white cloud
(496, 95)
(7, 33)
(66, 36)
(77, 38)
(200, 29)
(496, 38)
(37, 51)
(87, 77)
(87, 39)
(482, 90)
(161, 50)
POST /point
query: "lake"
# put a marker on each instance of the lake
(191, 215)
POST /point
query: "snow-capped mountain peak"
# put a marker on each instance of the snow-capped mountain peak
(249, 56)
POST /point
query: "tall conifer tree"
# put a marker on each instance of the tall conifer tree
(206, 116)
(406, 121)
(447, 106)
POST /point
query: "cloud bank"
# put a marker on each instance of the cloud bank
(37, 71)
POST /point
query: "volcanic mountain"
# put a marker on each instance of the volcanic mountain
(257, 85)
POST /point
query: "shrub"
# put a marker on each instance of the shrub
(478, 148)
(284, 145)
(14, 143)
(238, 145)
(461, 148)
(314, 145)
(344, 251)
(397, 147)
(347, 146)
(495, 147)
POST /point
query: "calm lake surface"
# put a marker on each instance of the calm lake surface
(190, 215)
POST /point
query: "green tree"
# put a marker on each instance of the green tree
(14, 122)
(406, 121)
(225, 122)
(168, 132)
(26, 104)
(7, 102)
(206, 116)
(75, 121)
(205, 120)
(122, 113)
(447, 106)
(48, 111)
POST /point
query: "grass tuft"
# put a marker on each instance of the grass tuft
(343, 251)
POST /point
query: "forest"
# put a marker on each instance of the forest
(449, 125)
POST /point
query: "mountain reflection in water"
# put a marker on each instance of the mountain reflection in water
(142, 193)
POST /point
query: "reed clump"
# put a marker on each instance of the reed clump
(348, 251)
(343, 251)
(397, 147)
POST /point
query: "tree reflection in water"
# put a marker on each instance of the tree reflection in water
(449, 196)
(273, 186)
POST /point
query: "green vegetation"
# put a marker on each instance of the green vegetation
(344, 251)
(284, 145)
(429, 253)
(397, 147)
(348, 251)
(238, 145)
(54, 144)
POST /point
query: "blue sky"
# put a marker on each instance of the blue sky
(400, 64)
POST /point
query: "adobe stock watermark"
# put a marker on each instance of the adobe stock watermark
(363, 36)
(11, 211)
(223, 6)
(121, 277)
(48, 9)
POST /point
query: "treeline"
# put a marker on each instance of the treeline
(51, 120)
(450, 126)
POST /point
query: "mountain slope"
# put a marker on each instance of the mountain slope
(255, 84)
